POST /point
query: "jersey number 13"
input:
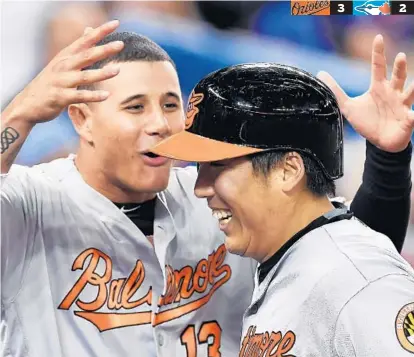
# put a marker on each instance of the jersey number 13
(209, 333)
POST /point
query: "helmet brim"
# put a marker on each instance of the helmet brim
(186, 146)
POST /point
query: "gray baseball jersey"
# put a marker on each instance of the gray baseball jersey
(342, 290)
(80, 279)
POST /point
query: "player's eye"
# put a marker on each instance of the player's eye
(135, 107)
(171, 106)
(217, 164)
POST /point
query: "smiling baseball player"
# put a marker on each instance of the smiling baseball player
(269, 147)
(108, 252)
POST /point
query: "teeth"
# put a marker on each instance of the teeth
(222, 215)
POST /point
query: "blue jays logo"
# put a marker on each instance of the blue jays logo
(367, 8)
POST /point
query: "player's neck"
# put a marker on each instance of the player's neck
(94, 177)
(297, 216)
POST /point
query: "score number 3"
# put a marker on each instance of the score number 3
(207, 329)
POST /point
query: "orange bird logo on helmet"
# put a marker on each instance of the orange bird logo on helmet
(192, 110)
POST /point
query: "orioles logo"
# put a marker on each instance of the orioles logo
(404, 327)
(267, 344)
(208, 275)
(312, 7)
(192, 110)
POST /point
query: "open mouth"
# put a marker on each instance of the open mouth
(151, 155)
(223, 216)
(154, 160)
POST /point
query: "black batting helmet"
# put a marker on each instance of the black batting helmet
(250, 108)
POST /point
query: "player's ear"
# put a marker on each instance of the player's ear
(81, 117)
(293, 171)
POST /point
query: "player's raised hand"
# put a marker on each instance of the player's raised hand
(383, 115)
(56, 86)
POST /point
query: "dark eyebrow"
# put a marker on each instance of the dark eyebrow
(139, 96)
(173, 94)
(132, 97)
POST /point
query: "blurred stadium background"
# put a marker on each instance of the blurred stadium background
(201, 37)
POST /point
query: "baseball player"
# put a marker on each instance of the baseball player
(270, 147)
(108, 252)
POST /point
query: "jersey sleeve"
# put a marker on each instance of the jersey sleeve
(19, 214)
(378, 320)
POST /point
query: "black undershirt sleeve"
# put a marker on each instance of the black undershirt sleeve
(383, 199)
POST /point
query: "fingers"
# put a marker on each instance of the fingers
(378, 60)
(82, 78)
(340, 95)
(399, 72)
(85, 96)
(91, 37)
(92, 55)
(408, 96)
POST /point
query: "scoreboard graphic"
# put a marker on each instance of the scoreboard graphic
(356, 8)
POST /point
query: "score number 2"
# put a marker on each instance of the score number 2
(208, 329)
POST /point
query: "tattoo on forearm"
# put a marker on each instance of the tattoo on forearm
(8, 137)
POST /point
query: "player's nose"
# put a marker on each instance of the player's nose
(158, 125)
(204, 187)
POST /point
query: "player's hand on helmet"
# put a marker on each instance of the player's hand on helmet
(383, 115)
(56, 86)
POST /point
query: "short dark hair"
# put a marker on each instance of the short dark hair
(316, 181)
(136, 48)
